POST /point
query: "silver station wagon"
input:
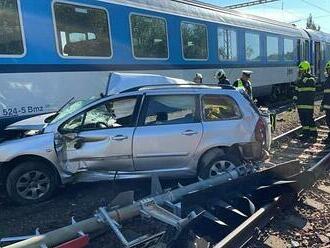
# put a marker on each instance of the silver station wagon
(172, 128)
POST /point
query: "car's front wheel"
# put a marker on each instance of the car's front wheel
(31, 182)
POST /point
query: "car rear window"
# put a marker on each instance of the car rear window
(219, 108)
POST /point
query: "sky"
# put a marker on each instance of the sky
(292, 11)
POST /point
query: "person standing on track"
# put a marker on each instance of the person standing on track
(220, 75)
(325, 104)
(304, 99)
(244, 83)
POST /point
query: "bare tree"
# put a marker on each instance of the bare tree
(311, 24)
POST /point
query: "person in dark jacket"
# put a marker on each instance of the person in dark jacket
(244, 83)
(304, 99)
(198, 79)
(220, 75)
(325, 104)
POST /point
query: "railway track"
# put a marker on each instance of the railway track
(216, 213)
(311, 159)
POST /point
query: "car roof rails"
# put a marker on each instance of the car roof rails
(168, 86)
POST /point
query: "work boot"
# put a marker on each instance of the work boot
(327, 140)
(303, 138)
(314, 134)
(312, 138)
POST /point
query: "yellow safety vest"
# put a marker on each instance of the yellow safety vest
(240, 86)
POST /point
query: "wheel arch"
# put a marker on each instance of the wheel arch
(217, 149)
(7, 167)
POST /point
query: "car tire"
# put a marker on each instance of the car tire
(216, 161)
(31, 182)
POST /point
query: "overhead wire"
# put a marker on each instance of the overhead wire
(316, 6)
(304, 19)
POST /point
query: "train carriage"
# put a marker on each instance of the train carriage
(53, 50)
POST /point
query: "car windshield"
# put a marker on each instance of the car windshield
(71, 108)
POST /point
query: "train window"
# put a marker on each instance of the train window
(149, 37)
(324, 49)
(273, 48)
(288, 49)
(303, 47)
(306, 50)
(328, 52)
(194, 41)
(227, 44)
(11, 41)
(82, 31)
(252, 46)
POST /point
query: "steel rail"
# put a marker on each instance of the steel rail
(303, 180)
(292, 131)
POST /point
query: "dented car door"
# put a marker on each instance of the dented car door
(99, 138)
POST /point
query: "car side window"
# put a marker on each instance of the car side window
(111, 114)
(170, 109)
(73, 124)
(219, 107)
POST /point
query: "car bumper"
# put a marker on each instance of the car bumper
(253, 151)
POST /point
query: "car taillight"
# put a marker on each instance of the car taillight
(260, 131)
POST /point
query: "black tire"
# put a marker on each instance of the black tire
(31, 182)
(214, 157)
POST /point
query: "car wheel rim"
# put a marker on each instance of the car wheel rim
(219, 167)
(33, 185)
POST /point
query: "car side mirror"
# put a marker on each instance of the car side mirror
(78, 143)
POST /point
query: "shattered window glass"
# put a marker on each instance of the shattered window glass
(115, 113)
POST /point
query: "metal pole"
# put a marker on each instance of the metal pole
(64, 234)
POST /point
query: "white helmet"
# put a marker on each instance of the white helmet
(220, 74)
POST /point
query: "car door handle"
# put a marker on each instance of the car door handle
(119, 137)
(189, 132)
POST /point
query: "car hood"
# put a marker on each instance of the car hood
(33, 123)
(120, 82)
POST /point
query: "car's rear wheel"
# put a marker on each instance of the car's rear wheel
(216, 162)
(31, 182)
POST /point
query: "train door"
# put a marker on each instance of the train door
(307, 50)
(317, 62)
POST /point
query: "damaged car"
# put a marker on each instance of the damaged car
(144, 125)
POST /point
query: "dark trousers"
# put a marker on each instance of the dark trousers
(327, 118)
(307, 121)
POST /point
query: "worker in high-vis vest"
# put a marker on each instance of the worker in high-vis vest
(325, 104)
(244, 83)
(304, 99)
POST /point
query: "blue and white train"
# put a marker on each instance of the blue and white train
(52, 50)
